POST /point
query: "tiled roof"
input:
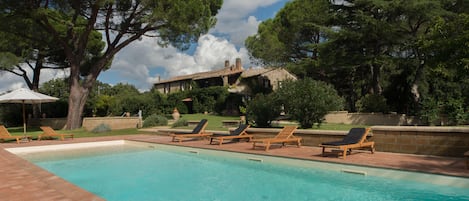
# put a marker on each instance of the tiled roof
(203, 75)
(218, 73)
(221, 72)
(255, 71)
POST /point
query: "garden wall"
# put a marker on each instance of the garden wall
(422, 140)
(344, 117)
(55, 123)
(116, 123)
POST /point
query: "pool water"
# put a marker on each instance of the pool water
(128, 172)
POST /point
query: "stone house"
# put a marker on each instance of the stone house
(238, 80)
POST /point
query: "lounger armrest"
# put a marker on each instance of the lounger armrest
(182, 133)
(232, 136)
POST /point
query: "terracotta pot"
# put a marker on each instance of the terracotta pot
(176, 114)
(243, 119)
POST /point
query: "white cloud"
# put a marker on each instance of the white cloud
(238, 9)
(136, 61)
(212, 51)
(235, 19)
(238, 30)
(9, 81)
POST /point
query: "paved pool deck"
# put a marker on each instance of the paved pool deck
(21, 180)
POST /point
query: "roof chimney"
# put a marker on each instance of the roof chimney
(238, 64)
(227, 63)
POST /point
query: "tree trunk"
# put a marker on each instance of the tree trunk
(76, 104)
(414, 90)
(375, 77)
(35, 83)
(79, 91)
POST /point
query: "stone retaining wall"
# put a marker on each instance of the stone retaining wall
(439, 141)
(116, 123)
(55, 123)
(230, 123)
(423, 140)
(344, 117)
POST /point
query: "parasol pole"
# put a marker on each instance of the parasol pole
(24, 120)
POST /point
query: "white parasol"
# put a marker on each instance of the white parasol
(26, 96)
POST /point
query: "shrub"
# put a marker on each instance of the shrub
(101, 128)
(262, 109)
(180, 123)
(155, 120)
(372, 103)
(211, 99)
(451, 109)
(308, 101)
(430, 111)
(174, 100)
(454, 110)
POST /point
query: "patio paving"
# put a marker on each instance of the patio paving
(22, 180)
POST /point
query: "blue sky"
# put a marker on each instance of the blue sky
(142, 62)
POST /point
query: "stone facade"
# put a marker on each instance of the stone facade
(232, 76)
(226, 76)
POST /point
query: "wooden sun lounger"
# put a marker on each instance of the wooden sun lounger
(356, 138)
(50, 132)
(284, 136)
(5, 135)
(180, 137)
(238, 133)
(198, 132)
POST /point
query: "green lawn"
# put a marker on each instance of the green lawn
(214, 123)
(34, 132)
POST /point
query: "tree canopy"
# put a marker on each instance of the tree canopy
(407, 53)
(171, 22)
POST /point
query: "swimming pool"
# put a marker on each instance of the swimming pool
(142, 171)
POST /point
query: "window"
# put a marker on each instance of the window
(182, 86)
(266, 83)
(167, 88)
(279, 84)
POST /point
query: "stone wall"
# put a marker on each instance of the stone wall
(343, 117)
(421, 140)
(116, 123)
(55, 123)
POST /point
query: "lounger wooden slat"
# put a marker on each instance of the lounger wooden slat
(238, 133)
(283, 137)
(50, 132)
(356, 138)
(197, 132)
(5, 135)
